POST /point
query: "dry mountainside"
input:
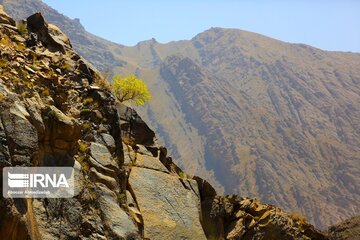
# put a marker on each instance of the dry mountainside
(54, 112)
(347, 230)
(252, 115)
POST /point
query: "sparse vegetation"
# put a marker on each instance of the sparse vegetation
(182, 175)
(2, 97)
(45, 92)
(85, 111)
(25, 94)
(3, 62)
(22, 28)
(88, 100)
(5, 40)
(86, 125)
(298, 218)
(66, 67)
(82, 147)
(122, 198)
(20, 46)
(130, 89)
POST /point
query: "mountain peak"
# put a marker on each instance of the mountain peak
(148, 42)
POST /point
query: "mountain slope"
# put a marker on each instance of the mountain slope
(257, 116)
(347, 230)
(275, 120)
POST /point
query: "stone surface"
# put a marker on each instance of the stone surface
(109, 140)
(4, 150)
(169, 210)
(146, 161)
(108, 181)
(102, 156)
(21, 135)
(133, 129)
(116, 221)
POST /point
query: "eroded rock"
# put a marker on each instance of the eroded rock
(169, 210)
(117, 222)
(133, 129)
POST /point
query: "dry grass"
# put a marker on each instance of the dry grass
(297, 218)
(22, 28)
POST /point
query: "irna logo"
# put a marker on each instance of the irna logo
(18, 180)
(38, 182)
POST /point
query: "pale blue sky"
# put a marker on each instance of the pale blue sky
(329, 25)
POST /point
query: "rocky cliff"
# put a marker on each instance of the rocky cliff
(55, 110)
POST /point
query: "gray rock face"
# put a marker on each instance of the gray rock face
(169, 210)
(102, 156)
(117, 222)
(4, 150)
(109, 141)
(21, 135)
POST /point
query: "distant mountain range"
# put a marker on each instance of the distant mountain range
(256, 116)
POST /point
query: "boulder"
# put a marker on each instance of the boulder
(169, 210)
(53, 39)
(133, 129)
(116, 221)
(34, 106)
(109, 141)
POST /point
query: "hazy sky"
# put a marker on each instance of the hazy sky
(326, 24)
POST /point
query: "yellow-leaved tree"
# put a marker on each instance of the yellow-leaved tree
(130, 89)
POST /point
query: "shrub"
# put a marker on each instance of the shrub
(130, 89)
(82, 147)
(298, 218)
(3, 62)
(45, 92)
(88, 100)
(182, 175)
(66, 67)
(5, 40)
(22, 28)
(122, 198)
(85, 111)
